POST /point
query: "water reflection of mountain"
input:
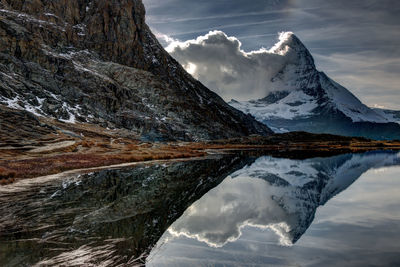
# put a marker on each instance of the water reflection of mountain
(279, 194)
(107, 218)
(114, 217)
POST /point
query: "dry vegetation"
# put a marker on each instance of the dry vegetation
(88, 154)
(6, 176)
(28, 154)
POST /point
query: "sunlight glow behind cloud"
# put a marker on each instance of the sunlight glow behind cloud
(353, 42)
(219, 61)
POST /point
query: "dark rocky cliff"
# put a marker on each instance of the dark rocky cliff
(98, 62)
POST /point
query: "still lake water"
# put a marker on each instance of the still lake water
(221, 211)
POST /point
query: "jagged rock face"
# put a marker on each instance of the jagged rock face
(20, 128)
(304, 99)
(98, 62)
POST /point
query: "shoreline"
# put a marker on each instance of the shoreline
(33, 165)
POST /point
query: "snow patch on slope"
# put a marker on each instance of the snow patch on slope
(20, 103)
(35, 105)
(309, 89)
(296, 105)
(347, 103)
(390, 115)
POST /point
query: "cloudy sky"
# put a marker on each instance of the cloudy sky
(357, 42)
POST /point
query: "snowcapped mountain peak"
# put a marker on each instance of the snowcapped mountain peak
(290, 46)
(302, 98)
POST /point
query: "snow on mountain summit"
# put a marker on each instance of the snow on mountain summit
(281, 86)
(308, 94)
(308, 88)
(290, 46)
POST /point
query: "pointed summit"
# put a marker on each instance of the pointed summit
(304, 99)
(290, 45)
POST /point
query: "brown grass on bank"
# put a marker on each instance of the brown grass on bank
(34, 167)
(102, 152)
(6, 173)
(86, 143)
(7, 176)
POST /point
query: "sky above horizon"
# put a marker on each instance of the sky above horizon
(356, 43)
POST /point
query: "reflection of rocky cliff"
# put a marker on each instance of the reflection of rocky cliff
(109, 217)
(279, 194)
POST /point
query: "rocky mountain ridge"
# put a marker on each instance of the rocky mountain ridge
(98, 62)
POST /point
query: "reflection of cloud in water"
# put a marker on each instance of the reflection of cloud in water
(277, 194)
(217, 218)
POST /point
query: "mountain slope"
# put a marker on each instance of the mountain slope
(308, 100)
(391, 115)
(98, 62)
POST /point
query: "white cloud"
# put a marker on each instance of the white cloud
(363, 30)
(379, 106)
(220, 63)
